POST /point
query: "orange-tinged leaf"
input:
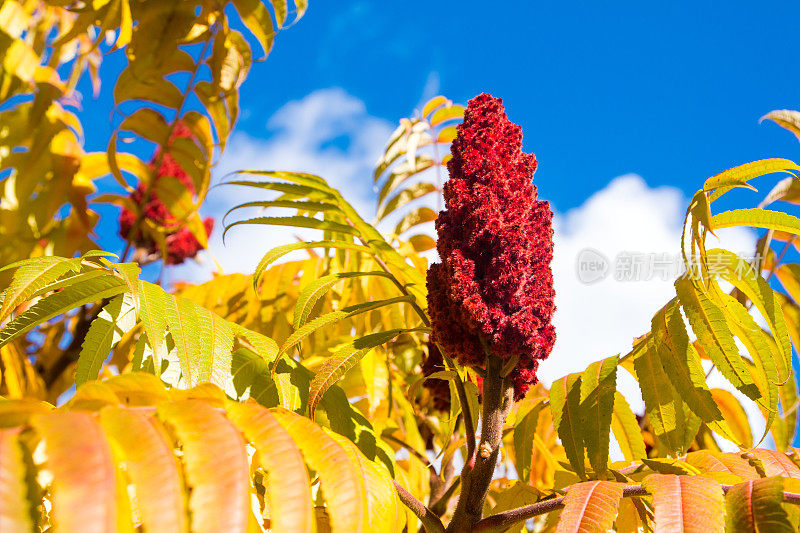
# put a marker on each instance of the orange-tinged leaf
(786, 118)
(15, 511)
(732, 463)
(84, 478)
(342, 483)
(288, 493)
(151, 466)
(776, 463)
(756, 506)
(686, 503)
(215, 463)
(590, 507)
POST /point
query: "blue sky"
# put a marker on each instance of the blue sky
(628, 107)
(672, 93)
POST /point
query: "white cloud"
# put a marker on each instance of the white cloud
(600, 319)
(328, 133)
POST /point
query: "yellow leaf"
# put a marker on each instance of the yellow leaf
(342, 483)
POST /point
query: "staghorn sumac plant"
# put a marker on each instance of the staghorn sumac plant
(346, 376)
(491, 298)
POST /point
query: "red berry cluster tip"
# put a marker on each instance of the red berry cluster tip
(181, 243)
(493, 289)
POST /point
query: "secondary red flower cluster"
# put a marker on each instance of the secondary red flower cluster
(181, 243)
(494, 286)
(439, 389)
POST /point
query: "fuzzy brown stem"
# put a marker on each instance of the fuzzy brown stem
(430, 521)
(475, 478)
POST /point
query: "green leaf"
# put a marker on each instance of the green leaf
(709, 324)
(626, 429)
(337, 365)
(32, 276)
(524, 435)
(290, 189)
(598, 383)
(59, 303)
(276, 253)
(116, 318)
(565, 405)
(754, 339)
(298, 222)
(681, 362)
(184, 327)
(662, 407)
(153, 312)
(741, 275)
(756, 506)
(303, 206)
(335, 316)
(300, 178)
(312, 292)
(216, 345)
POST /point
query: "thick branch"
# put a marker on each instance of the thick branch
(502, 521)
(475, 478)
(430, 521)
